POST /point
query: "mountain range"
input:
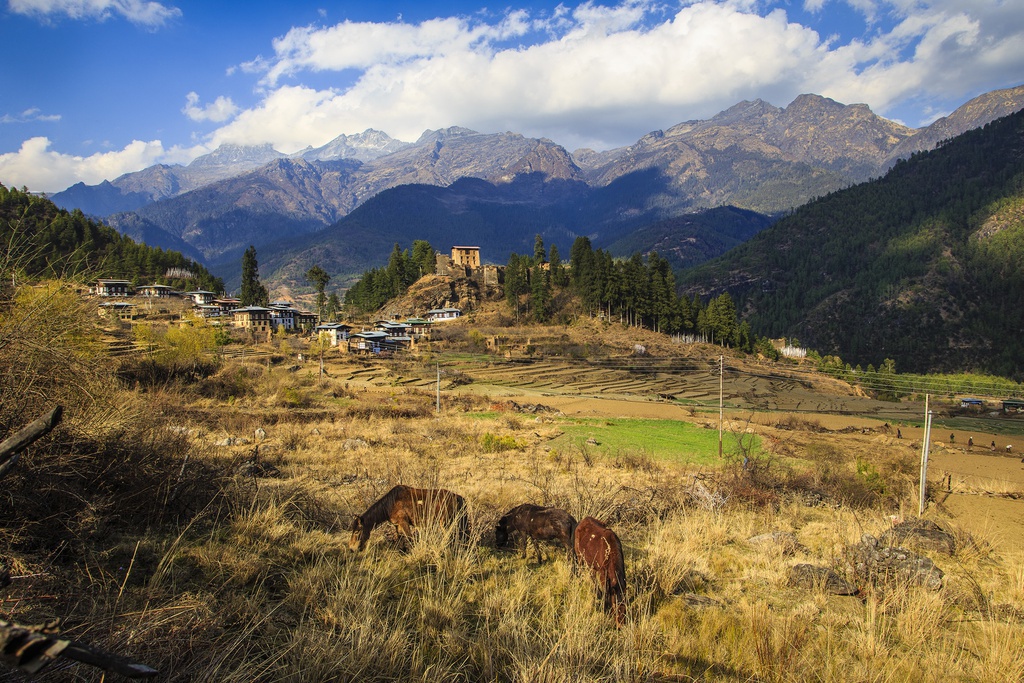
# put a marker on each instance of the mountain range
(924, 266)
(754, 156)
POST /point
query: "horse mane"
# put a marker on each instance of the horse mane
(380, 512)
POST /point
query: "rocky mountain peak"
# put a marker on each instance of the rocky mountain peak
(366, 146)
(745, 112)
(241, 157)
(442, 134)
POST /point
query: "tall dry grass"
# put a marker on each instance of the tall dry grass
(257, 583)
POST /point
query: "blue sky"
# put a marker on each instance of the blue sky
(93, 89)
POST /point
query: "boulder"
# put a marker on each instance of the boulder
(812, 577)
(920, 534)
(870, 562)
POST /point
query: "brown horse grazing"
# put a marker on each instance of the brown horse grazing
(599, 548)
(535, 523)
(406, 507)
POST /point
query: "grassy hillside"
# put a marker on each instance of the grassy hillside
(923, 266)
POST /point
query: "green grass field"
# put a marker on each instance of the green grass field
(666, 440)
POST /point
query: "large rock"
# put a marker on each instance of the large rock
(812, 577)
(920, 534)
(872, 563)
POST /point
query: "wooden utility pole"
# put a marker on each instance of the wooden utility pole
(721, 401)
(924, 455)
(438, 409)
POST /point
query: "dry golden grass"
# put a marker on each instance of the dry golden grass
(256, 583)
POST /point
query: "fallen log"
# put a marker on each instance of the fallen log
(30, 648)
(11, 448)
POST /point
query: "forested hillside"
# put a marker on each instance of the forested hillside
(924, 266)
(45, 241)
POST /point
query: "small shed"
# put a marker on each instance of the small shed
(1013, 405)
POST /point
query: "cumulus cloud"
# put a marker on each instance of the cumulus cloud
(141, 12)
(39, 168)
(218, 111)
(602, 75)
(599, 76)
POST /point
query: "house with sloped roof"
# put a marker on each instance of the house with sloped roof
(112, 287)
(443, 314)
(336, 332)
(253, 318)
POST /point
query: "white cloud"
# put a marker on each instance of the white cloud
(31, 114)
(605, 75)
(218, 111)
(142, 12)
(598, 76)
(39, 168)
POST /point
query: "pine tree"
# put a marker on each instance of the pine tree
(253, 291)
(319, 277)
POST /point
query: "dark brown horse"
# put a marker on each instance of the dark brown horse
(406, 507)
(535, 523)
(598, 548)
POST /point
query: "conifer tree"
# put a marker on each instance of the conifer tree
(253, 291)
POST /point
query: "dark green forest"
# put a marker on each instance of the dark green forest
(377, 286)
(924, 266)
(43, 240)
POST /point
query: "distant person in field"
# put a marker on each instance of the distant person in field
(993, 446)
(970, 442)
(899, 433)
(952, 437)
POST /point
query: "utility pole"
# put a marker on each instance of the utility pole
(721, 401)
(438, 409)
(924, 454)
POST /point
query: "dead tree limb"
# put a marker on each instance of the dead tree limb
(30, 648)
(11, 448)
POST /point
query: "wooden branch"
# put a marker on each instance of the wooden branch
(30, 648)
(11, 448)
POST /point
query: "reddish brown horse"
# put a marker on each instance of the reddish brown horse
(406, 507)
(535, 523)
(599, 548)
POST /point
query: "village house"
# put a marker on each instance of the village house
(282, 316)
(419, 327)
(252, 318)
(443, 314)
(226, 304)
(208, 311)
(306, 320)
(111, 287)
(336, 332)
(369, 342)
(392, 328)
(155, 291)
(201, 297)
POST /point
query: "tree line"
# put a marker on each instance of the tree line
(377, 286)
(638, 291)
(52, 242)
